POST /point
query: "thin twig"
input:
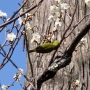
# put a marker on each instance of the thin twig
(63, 37)
(13, 19)
(77, 24)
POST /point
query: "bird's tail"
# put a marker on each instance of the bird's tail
(31, 51)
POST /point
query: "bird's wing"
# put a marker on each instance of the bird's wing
(47, 45)
(45, 48)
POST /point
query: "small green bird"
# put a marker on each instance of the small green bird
(46, 47)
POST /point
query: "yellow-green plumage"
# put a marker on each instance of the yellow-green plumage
(46, 47)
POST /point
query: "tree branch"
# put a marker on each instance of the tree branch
(13, 19)
(64, 60)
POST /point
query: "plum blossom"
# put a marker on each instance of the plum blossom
(11, 36)
(84, 40)
(51, 18)
(64, 6)
(18, 75)
(20, 20)
(58, 24)
(4, 87)
(28, 26)
(2, 14)
(54, 8)
(77, 82)
(35, 37)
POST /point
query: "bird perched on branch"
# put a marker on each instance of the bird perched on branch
(46, 47)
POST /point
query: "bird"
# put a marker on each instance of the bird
(46, 47)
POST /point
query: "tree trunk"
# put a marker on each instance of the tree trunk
(79, 68)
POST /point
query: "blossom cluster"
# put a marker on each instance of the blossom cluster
(17, 77)
(11, 36)
(75, 84)
(56, 16)
(57, 13)
(3, 14)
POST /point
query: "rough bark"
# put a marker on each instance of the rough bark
(79, 68)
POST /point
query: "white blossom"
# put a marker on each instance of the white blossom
(28, 26)
(52, 38)
(11, 36)
(21, 71)
(64, 6)
(51, 18)
(17, 77)
(55, 28)
(20, 20)
(58, 24)
(87, 2)
(84, 40)
(21, 11)
(54, 8)
(2, 14)
(77, 82)
(57, 14)
(4, 87)
(35, 37)
(28, 15)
